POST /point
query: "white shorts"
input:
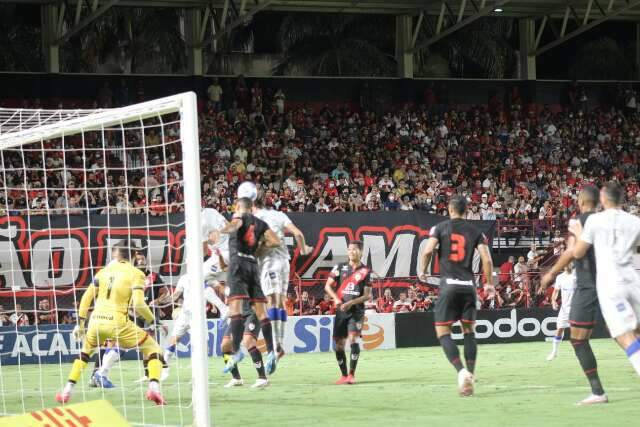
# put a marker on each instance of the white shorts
(181, 324)
(620, 305)
(563, 317)
(274, 276)
(211, 269)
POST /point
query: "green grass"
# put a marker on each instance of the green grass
(515, 387)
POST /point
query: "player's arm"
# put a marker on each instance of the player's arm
(360, 300)
(85, 303)
(565, 259)
(583, 238)
(554, 297)
(300, 240)
(270, 239)
(487, 266)
(137, 299)
(426, 255)
(328, 286)
(233, 226)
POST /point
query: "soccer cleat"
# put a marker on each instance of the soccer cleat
(233, 361)
(343, 380)
(351, 379)
(92, 381)
(594, 399)
(63, 397)
(234, 383)
(102, 381)
(261, 383)
(271, 362)
(280, 352)
(156, 396)
(465, 383)
(552, 356)
(164, 375)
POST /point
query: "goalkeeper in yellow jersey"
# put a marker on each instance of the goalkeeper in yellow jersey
(115, 288)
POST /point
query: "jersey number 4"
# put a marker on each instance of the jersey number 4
(457, 248)
(250, 236)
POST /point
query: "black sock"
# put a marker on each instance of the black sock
(470, 351)
(587, 360)
(451, 351)
(267, 333)
(341, 357)
(355, 355)
(256, 356)
(145, 363)
(237, 330)
(234, 372)
(99, 359)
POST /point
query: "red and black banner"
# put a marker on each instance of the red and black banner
(63, 250)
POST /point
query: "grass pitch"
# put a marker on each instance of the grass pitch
(515, 387)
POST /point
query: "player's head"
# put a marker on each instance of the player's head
(243, 205)
(124, 250)
(354, 251)
(457, 206)
(588, 198)
(611, 195)
(259, 202)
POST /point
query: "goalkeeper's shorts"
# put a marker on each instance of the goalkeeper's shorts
(127, 335)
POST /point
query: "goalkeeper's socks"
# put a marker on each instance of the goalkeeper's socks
(154, 386)
(256, 356)
(341, 357)
(589, 365)
(110, 359)
(355, 355)
(633, 353)
(76, 370)
(235, 373)
(470, 351)
(267, 333)
(451, 351)
(237, 330)
(155, 369)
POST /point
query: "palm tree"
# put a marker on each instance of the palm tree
(336, 45)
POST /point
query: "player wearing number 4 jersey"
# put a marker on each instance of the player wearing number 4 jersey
(455, 241)
(115, 288)
(615, 236)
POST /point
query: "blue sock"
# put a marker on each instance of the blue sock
(633, 348)
(283, 314)
(172, 348)
(273, 314)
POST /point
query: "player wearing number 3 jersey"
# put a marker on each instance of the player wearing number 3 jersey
(456, 241)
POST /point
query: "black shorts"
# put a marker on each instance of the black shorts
(348, 323)
(243, 280)
(585, 309)
(455, 302)
(251, 326)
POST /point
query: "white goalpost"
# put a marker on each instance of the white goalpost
(73, 183)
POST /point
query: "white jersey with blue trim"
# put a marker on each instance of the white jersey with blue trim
(210, 296)
(213, 220)
(277, 222)
(567, 284)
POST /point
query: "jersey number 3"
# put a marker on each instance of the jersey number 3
(457, 248)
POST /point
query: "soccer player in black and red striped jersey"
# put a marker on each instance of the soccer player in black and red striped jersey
(354, 288)
(455, 241)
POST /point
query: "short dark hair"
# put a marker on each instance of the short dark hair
(458, 203)
(358, 243)
(126, 248)
(260, 199)
(613, 192)
(590, 195)
(245, 202)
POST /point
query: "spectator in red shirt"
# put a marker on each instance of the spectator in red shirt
(506, 270)
(403, 304)
(385, 302)
(326, 306)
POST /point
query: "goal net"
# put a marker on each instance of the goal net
(73, 183)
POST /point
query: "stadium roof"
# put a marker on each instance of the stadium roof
(578, 9)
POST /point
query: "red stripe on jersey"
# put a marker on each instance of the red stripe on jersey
(351, 279)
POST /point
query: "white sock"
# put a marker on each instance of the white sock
(168, 355)
(68, 388)
(635, 361)
(110, 358)
(154, 386)
(276, 331)
(280, 338)
(556, 343)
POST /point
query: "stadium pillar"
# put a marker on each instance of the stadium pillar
(193, 25)
(527, 58)
(50, 34)
(404, 56)
(637, 50)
